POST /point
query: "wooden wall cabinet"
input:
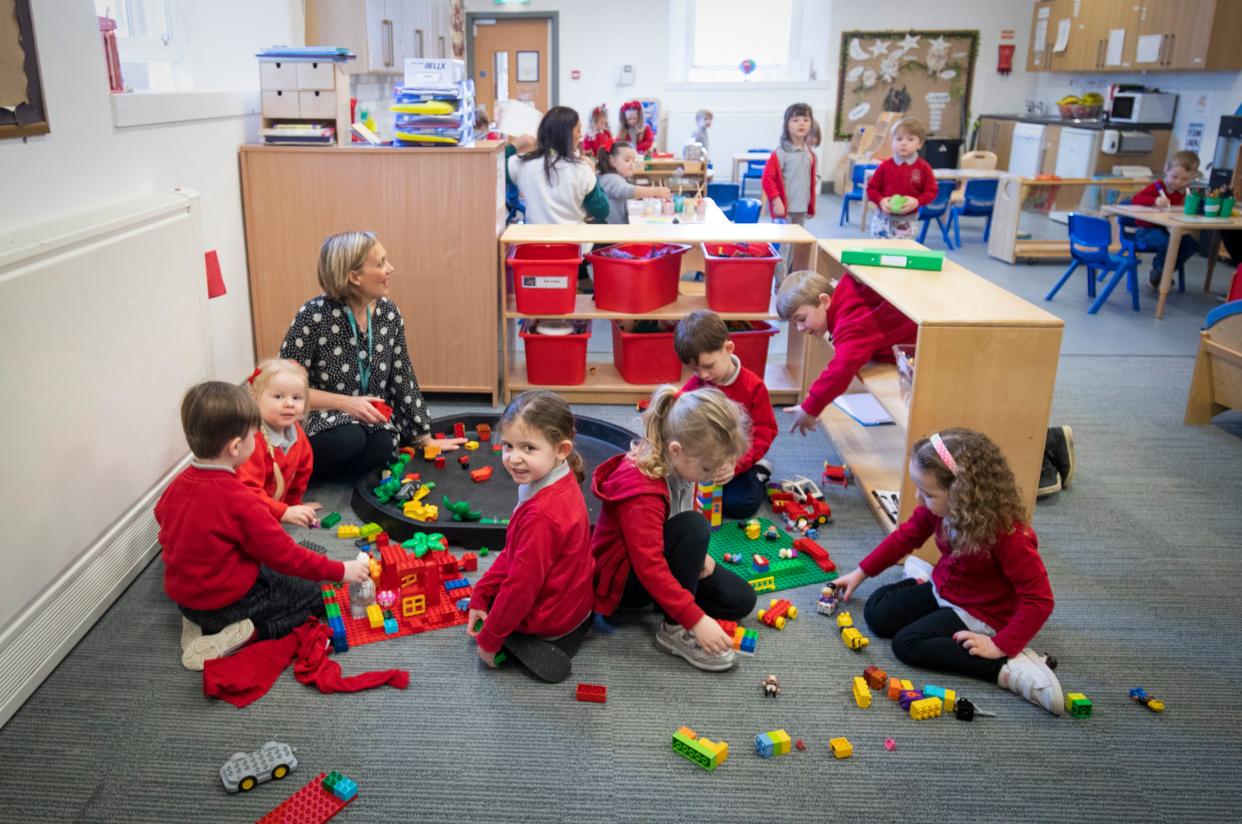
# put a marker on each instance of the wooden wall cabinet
(383, 33)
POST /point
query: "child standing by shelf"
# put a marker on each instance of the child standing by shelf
(1181, 169)
(632, 128)
(534, 601)
(280, 466)
(905, 174)
(649, 544)
(616, 168)
(702, 122)
(976, 612)
(598, 138)
(789, 177)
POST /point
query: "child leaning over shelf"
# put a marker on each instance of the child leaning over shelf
(616, 168)
(977, 611)
(702, 343)
(1181, 169)
(905, 174)
(534, 601)
(230, 568)
(649, 544)
(280, 466)
(598, 138)
(632, 128)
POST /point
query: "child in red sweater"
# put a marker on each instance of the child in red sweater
(987, 595)
(905, 174)
(280, 466)
(534, 601)
(1181, 169)
(632, 128)
(230, 568)
(702, 342)
(649, 544)
(597, 138)
(860, 324)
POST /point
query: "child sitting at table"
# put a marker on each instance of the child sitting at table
(616, 169)
(1181, 169)
(902, 183)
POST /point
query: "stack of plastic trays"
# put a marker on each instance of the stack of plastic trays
(434, 117)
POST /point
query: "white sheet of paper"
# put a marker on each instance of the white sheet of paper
(1041, 39)
(1063, 33)
(1148, 48)
(1044, 12)
(864, 408)
(513, 117)
(1116, 42)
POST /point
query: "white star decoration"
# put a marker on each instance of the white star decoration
(911, 42)
(939, 44)
(879, 47)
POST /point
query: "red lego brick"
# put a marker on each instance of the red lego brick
(459, 430)
(464, 460)
(381, 540)
(481, 475)
(875, 677)
(383, 408)
(484, 431)
(439, 461)
(468, 563)
(439, 436)
(310, 805)
(594, 693)
(818, 554)
(729, 627)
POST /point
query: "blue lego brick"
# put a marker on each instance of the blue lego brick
(339, 644)
(337, 624)
(390, 626)
(764, 745)
(456, 584)
(463, 604)
(345, 788)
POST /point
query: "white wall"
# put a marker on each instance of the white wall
(85, 161)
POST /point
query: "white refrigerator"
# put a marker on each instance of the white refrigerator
(1076, 152)
(1026, 152)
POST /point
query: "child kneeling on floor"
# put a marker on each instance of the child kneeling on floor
(977, 611)
(230, 568)
(534, 601)
(649, 544)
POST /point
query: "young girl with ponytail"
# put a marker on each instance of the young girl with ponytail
(280, 466)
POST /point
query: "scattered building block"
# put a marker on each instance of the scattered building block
(862, 693)
(841, 747)
(926, 708)
(592, 693)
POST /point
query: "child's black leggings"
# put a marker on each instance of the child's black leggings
(721, 594)
(277, 604)
(348, 452)
(922, 631)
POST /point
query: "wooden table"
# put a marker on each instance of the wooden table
(1179, 225)
(742, 158)
(941, 174)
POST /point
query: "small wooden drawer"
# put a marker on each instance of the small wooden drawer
(275, 74)
(318, 75)
(316, 104)
(280, 103)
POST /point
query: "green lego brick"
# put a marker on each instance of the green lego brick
(788, 573)
(928, 259)
(332, 610)
(370, 529)
(330, 520)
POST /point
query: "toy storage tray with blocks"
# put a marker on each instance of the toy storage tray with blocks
(491, 501)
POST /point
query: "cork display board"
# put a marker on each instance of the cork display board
(21, 91)
(924, 74)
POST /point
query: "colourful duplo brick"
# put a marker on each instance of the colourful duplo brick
(341, 786)
(773, 743)
(926, 708)
(706, 753)
(1077, 705)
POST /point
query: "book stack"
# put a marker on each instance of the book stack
(298, 134)
(435, 105)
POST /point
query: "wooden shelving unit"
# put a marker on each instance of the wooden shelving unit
(603, 383)
(985, 359)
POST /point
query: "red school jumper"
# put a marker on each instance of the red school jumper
(295, 467)
(863, 326)
(1005, 586)
(752, 394)
(592, 145)
(773, 183)
(1148, 196)
(541, 583)
(215, 533)
(914, 179)
(630, 535)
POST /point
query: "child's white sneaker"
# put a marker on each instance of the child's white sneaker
(189, 632)
(225, 642)
(676, 640)
(1028, 675)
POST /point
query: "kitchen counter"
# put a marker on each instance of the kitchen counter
(1053, 120)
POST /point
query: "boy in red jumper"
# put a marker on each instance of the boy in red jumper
(280, 466)
(905, 174)
(702, 342)
(1181, 169)
(860, 324)
(534, 601)
(227, 562)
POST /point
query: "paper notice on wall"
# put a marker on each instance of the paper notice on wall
(1041, 41)
(1116, 43)
(1148, 48)
(1044, 12)
(1063, 33)
(1077, 8)
(936, 101)
(1194, 137)
(1201, 104)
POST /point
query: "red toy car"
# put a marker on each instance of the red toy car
(812, 511)
(775, 614)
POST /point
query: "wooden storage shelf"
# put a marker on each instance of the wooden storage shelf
(689, 300)
(876, 455)
(604, 384)
(881, 380)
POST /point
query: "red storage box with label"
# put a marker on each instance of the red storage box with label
(545, 277)
(739, 276)
(645, 357)
(751, 345)
(557, 359)
(636, 277)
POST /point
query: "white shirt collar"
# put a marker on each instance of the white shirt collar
(527, 491)
(901, 162)
(221, 468)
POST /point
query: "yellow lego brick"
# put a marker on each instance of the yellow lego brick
(950, 699)
(765, 584)
(348, 531)
(841, 747)
(719, 750)
(862, 693)
(430, 452)
(471, 444)
(780, 742)
(375, 616)
(907, 685)
(1155, 705)
(423, 492)
(844, 619)
(926, 708)
(853, 639)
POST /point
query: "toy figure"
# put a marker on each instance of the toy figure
(771, 687)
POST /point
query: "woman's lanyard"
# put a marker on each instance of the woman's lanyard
(364, 361)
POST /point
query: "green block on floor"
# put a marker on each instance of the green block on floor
(927, 259)
(330, 520)
(786, 573)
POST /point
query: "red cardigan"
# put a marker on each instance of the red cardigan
(541, 583)
(915, 180)
(215, 533)
(752, 394)
(863, 327)
(630, 535)
(645, 140)
(295, 466)
(773, 183)
(1005, 586)
(1148, 196)
(592, 146)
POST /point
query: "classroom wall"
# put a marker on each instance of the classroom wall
(86, 162)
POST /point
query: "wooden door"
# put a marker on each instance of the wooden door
(512, 61)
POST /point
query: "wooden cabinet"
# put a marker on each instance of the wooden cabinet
(996, 136)
(383, 33)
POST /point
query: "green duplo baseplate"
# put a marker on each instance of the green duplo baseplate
(787, 573)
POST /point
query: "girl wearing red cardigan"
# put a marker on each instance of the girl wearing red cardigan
(280, 466)
(632, 128)
(987, 595)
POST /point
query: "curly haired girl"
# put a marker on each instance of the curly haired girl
(987, 595)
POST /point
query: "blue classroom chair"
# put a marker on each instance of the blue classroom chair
(746, 210)
(858, 190)
(1129, 234)
(1089, 238)
(936, 211)
(725, 196)
(980, 197)
(752, 171)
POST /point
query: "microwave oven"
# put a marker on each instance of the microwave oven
(1143, 107)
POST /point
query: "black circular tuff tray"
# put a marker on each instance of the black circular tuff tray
(596, 442)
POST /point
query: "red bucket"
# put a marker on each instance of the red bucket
(645, 357)
(739, 276)
(545, 277)
(751, 346)
(556, 360)
(636, 277)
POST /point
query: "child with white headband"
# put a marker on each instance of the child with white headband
(977, 611)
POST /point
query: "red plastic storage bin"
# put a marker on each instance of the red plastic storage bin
(556, 360)
(739, 276)
(545, 277)
(645, 357)
(638, 284)
(751, 347)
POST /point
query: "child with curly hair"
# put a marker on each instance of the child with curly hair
(979, 608)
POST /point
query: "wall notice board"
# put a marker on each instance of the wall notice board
(924, 74)
(21, 92)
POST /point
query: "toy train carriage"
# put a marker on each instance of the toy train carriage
(777, 611)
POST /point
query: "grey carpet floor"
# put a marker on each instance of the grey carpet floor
(1143, 553)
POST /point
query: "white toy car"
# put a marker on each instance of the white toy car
(802, 488)
(245, 771)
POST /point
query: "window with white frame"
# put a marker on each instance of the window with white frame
(741, 41)
(149, 42)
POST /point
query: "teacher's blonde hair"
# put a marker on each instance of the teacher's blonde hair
(341, 254)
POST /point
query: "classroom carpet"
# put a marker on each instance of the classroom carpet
(1143, 552)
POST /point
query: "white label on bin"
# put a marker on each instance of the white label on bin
(892, 260)
(544, 282)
